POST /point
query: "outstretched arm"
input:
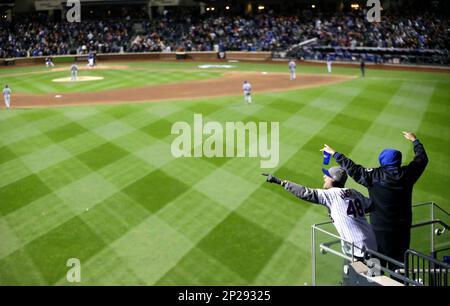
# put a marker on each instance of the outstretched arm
(302, 192)
(420, 161)
(360, 174)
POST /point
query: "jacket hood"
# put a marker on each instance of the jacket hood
(390, 158)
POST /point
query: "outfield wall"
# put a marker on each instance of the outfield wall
(265, 57)
(164, 56)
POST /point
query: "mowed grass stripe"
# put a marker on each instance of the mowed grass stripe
(251, 246)
(125, 232)
(151, 249)
(18, 84)
(60, 218)
(105, 268)
(6, 154)
(39, 84)
(10, 123)
(436, 117)
(108, 219)
(60, 244)
(13, 171)
(434, 143)
(45, 158)
(111, 80)
(188, 272)
(287, 267)
(19, 269)
(49, 212)
(374, 139)
(10, 241)
(75, 198)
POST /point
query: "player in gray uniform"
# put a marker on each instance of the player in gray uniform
(74, 70)
(292, 67)
(346, 208)
(247, 88)
(7, 96)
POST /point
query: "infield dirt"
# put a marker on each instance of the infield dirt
(229, 84)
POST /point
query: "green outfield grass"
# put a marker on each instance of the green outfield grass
(99, 183)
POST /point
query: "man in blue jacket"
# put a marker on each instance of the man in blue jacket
(390, 188)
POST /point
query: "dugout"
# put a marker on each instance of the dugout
(180, 55)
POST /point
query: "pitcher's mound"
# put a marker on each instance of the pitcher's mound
(79, 79)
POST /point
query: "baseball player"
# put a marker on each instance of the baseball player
(292, 67)
(329, 63)
(363, 67)
(49, 62)
(7, 96)
(247, 87)
(346, 208)
(91, 60)
(74, 70)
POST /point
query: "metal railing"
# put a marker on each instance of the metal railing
(326, 247)
(425, 269)
(418, 269)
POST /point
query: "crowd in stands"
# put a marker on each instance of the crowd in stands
(39, 38)
(180, 33)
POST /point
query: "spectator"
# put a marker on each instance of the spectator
(390, 188)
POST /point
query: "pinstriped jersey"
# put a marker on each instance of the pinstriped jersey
(347, 209)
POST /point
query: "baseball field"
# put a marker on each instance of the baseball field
(86, 169)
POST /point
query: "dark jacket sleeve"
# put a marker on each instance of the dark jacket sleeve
(303, 192)
(360, 174)
(419, 163)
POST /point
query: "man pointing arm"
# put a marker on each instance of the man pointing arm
(346, 208)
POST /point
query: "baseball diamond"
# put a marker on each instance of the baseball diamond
(86, 168)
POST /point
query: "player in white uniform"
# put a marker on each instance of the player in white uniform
(247, 87)
(7, 96)
(346, 207)
(329, 63)
(292, 67)
(74, 71)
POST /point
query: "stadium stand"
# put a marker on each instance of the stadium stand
(409, 37)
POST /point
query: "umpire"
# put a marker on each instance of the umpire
(390, 188)
(362, 65)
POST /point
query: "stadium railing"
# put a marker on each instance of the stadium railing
(428, 234)
(371, 54)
